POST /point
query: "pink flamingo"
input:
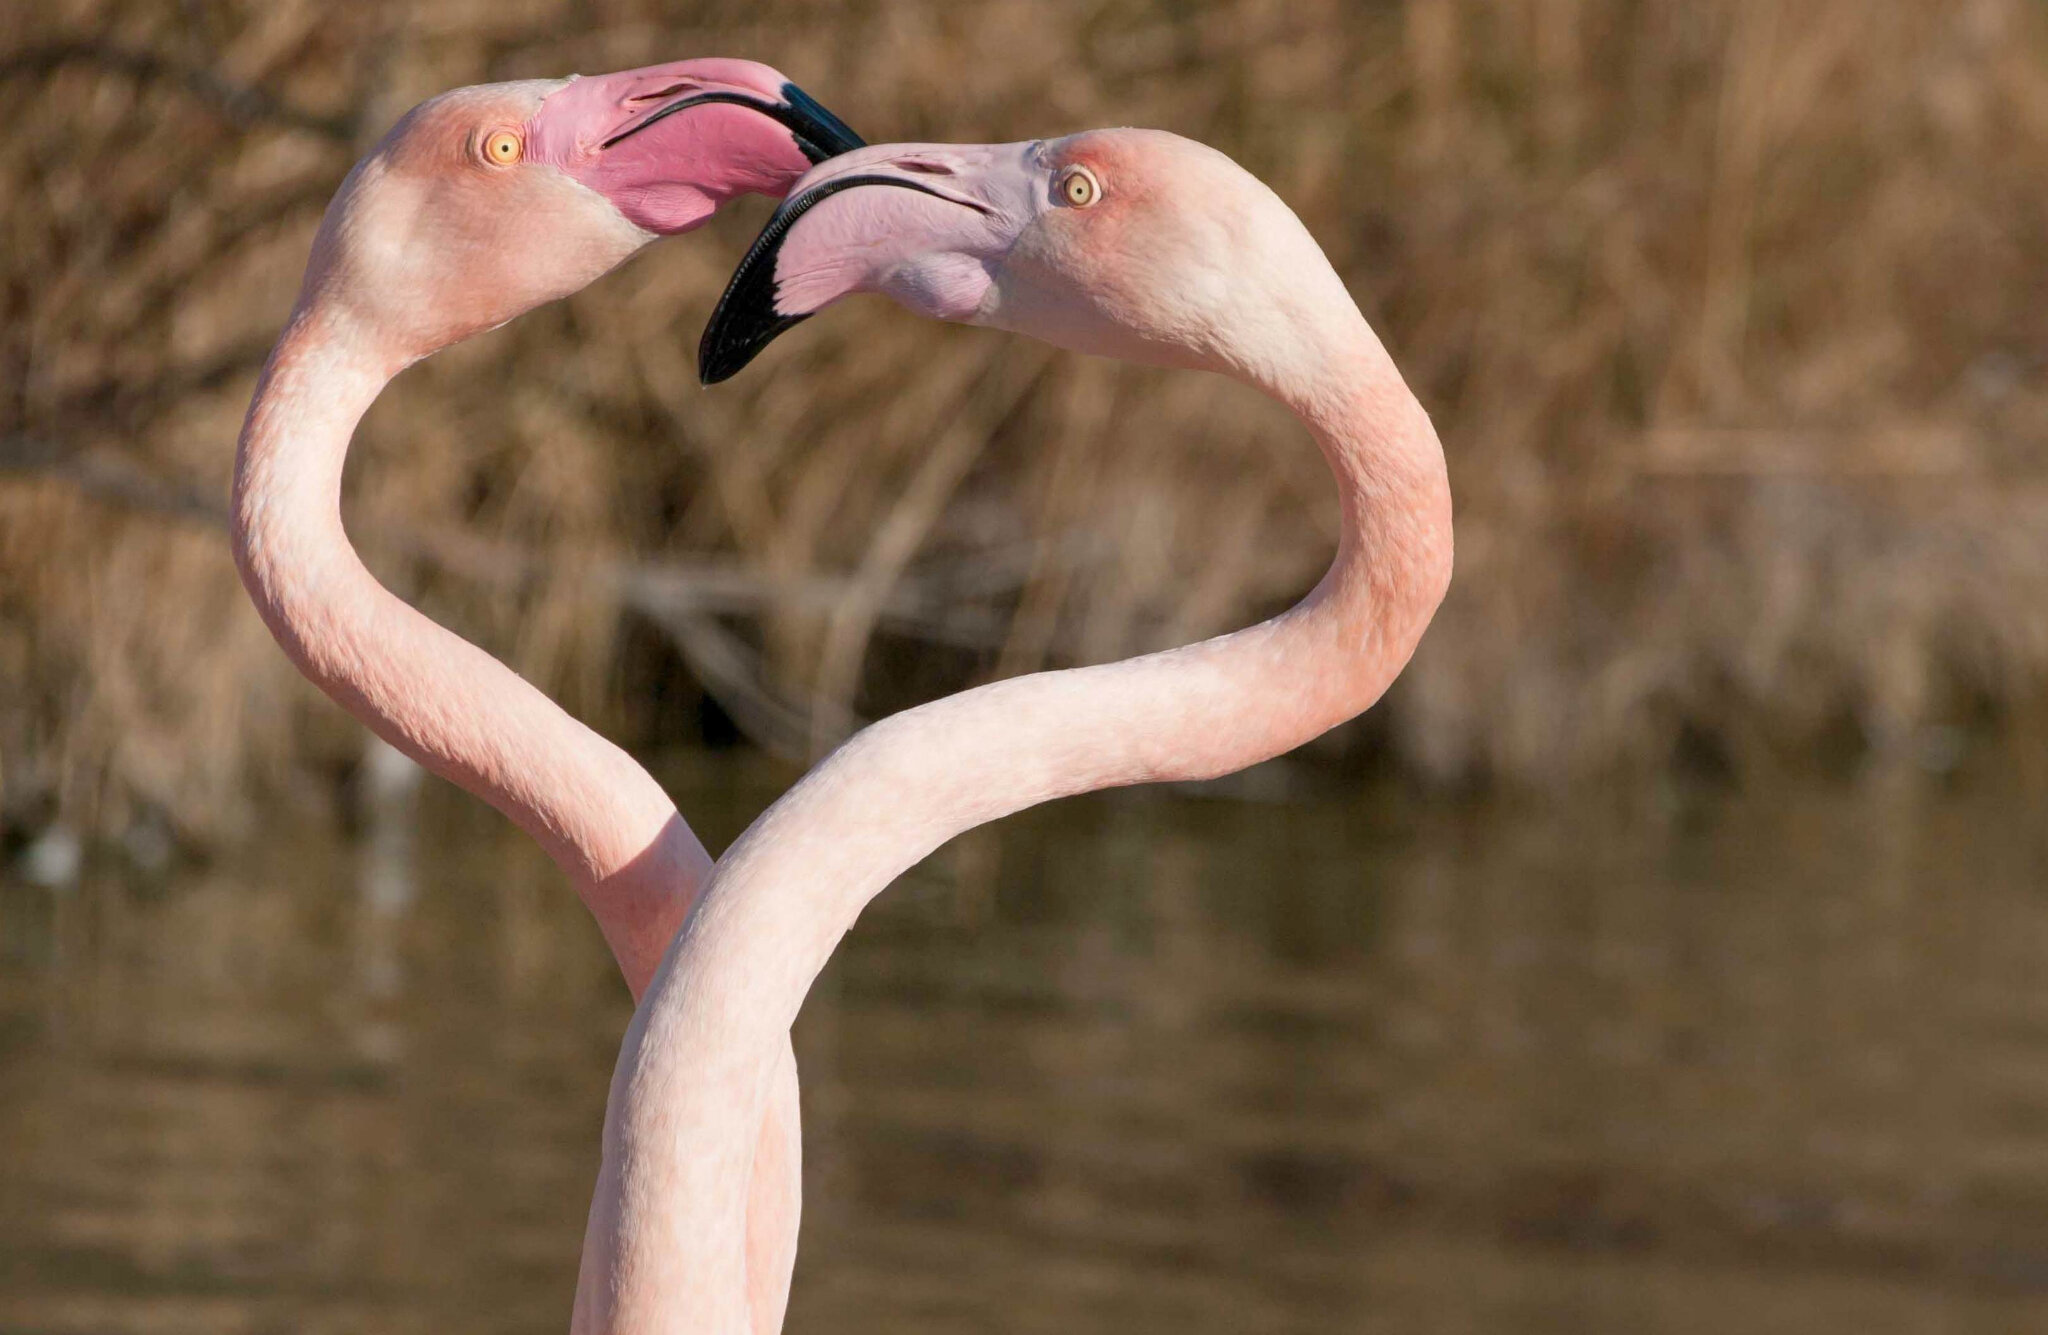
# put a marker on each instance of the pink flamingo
(480, 205)
(1125, 242)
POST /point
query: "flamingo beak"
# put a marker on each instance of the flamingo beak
(926, 224)
(819, 134)
(624, 136)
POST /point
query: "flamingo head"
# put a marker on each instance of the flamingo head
(485, 202)
(1136, 244)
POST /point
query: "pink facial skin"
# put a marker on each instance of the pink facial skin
(862, 239)
(615, 134)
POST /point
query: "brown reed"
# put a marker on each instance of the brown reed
(1729, 312)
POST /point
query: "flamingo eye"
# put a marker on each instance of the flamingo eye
(503, 148)
(1078, 188)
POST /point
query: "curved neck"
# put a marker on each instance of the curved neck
(431, 694)
(694, 1068)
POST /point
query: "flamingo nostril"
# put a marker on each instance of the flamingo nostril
(925, 168)
(657, 94)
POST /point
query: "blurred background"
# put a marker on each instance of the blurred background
(1665, 953)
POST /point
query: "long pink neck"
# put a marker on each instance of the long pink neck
(431, 694)
(694, 1068)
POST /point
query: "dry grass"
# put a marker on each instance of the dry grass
(1729, 312)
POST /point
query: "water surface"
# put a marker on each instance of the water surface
(1134, 1063)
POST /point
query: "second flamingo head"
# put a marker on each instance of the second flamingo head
(1137, 244)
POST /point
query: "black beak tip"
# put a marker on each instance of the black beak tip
(745, 322)
(819, 133)
(748, 317)
(734, 338)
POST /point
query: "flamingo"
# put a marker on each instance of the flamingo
(479, 205)
(1129, 243)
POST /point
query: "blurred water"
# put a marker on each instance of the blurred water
(1132, 1063)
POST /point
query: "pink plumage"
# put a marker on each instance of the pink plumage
(1128, 243)
(479, 205)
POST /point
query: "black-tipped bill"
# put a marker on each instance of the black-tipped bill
(746, 319)
(818, 133)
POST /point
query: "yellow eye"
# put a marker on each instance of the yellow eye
(503, 148)
(1078, 187)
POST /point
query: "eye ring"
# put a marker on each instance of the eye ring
(502, 148)
(1077, 188)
